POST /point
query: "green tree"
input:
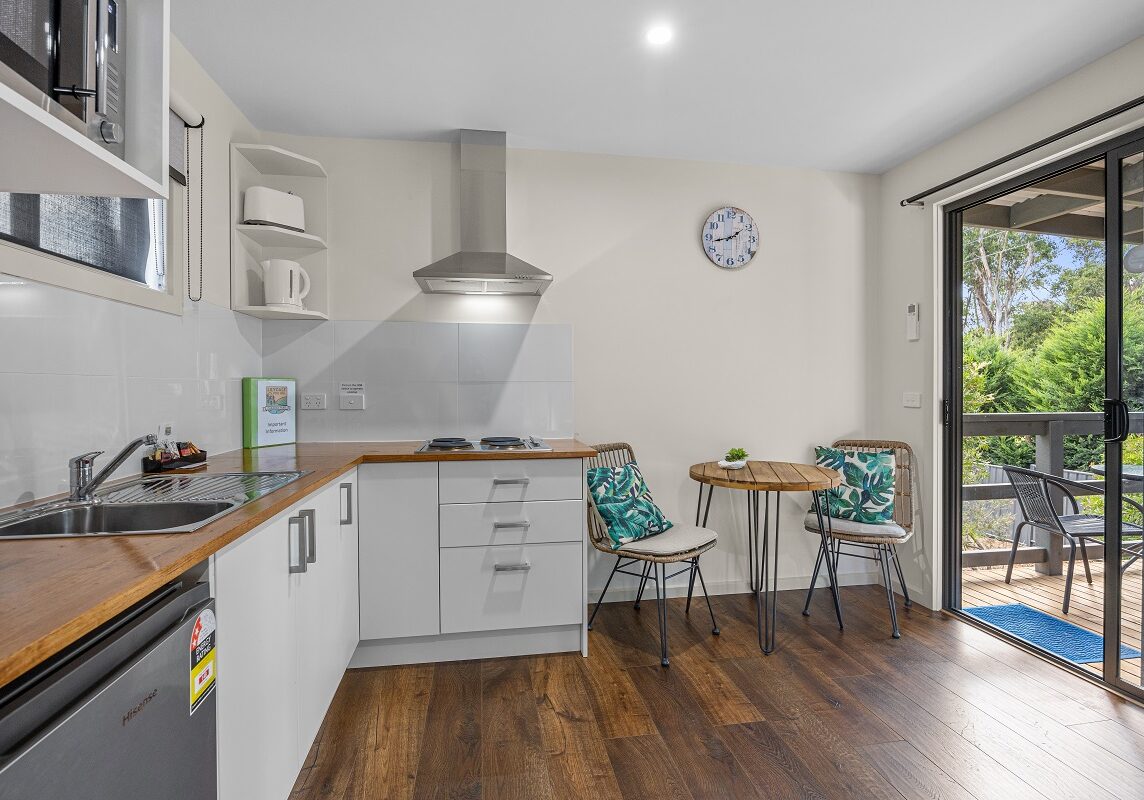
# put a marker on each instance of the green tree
(1002, 269)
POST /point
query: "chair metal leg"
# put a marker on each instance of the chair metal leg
(600, 602)
(658, 577)
(691, 583)
(1084, 557)
(1013, 552)
(814, 579)
(884, 558)
(710, 610)
(643, 583)
(1069, 577)
(901, 578)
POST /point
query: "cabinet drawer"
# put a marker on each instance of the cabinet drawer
(506, 481)
(508, 586)
(470, 524)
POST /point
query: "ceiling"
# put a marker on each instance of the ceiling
(831, 84)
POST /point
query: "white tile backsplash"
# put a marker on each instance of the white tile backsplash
(537, 408)
(81, 373)
(399, 351)
(498, 353)
(427, 379)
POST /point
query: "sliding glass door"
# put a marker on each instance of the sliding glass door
(1124, 508)
(1044, 489)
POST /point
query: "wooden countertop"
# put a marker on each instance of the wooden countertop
(54, 591)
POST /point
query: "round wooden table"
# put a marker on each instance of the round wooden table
(767, 478)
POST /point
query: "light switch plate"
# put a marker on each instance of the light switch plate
(314, 402)
(912, 399)
(351, 402)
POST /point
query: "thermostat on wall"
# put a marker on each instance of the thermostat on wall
(913, 332)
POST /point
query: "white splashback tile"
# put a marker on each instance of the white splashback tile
(132, 368)
(45, 420)
(298, 349)
(396, 411)
(510, 409)
(395, 352)
(46, 329)
(493, 352)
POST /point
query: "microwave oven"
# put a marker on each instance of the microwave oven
(69, 57)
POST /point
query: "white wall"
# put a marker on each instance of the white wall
(672, 354)
(906, 267)
(81, 373)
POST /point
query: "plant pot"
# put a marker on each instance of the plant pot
(732, 464)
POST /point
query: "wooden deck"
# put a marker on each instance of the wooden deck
(987, 587)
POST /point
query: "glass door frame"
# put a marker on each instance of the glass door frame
(1112, 151)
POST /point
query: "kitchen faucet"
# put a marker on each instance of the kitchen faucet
(80, 481)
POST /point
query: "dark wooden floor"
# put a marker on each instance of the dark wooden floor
(946, 712)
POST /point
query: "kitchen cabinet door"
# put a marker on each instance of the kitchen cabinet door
(348, 519)
(398, 561)
(320, 637)
(256, 597)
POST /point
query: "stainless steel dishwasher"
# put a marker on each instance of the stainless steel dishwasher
(127, 713)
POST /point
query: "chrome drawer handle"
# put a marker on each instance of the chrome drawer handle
(521, 481)
(524, 566)
(311, 534)
(347, 490)
(296, 524)
(521, 524)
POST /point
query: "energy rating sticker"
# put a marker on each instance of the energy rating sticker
(203, 669)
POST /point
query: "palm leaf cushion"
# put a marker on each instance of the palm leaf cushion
(623, 500)
(867, 490)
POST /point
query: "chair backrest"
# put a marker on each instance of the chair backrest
(906, 496)
(612, 454)
(1033, 497)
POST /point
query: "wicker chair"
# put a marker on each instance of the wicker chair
(1032, 490)
(881, 539)
(681, 544)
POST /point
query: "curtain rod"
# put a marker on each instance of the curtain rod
(916, 200)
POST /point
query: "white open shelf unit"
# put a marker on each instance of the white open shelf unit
(267, 165)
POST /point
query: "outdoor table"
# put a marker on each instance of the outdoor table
(1131, 472)
(770, 478)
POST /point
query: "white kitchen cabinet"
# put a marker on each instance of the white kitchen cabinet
(45, 153)
(321, 607)
(398, 565)
(510, 586)
(284, 621)
(258, 718)
(348, 528)
(497, 481)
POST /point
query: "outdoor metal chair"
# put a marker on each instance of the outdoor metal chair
(680, 544)
(882, 539)
(1033, 497)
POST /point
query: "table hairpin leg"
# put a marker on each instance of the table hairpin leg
(767, 607)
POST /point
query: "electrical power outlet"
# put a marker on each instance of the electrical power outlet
(314, 402)
(166, 431)
(912, 399)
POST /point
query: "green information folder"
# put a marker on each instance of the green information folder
(269, 412)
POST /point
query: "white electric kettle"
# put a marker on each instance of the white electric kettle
(285, 284)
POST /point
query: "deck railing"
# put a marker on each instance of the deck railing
(1048, 430)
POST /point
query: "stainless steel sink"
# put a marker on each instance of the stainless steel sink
(153, 504)
(88, 519)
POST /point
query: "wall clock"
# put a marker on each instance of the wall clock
(730, 237)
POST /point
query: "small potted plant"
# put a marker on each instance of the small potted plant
(736, 458)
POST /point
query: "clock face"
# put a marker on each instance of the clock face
(730, 237)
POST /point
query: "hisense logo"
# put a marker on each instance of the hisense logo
(130, 715)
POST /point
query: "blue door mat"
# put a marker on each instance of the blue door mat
(1060, 637)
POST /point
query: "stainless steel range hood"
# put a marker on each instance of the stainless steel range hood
(482, 266)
